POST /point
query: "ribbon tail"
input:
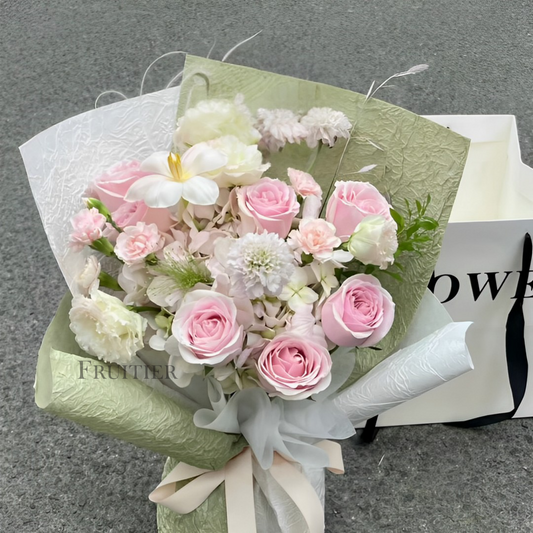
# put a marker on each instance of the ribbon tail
(240, 505)
(193, 494)
(298, 488)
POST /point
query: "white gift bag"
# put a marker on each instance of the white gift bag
(477, 276)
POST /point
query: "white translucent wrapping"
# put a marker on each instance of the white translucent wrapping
(62, 160)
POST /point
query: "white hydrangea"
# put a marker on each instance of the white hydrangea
(278, 127)
(106, 328)
(259, 264)
(325, 125)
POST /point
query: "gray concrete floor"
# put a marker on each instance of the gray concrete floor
(56, 57)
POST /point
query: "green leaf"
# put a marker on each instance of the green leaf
(429, 225)
(400, 221)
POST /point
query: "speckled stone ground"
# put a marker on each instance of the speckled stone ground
(56, 57)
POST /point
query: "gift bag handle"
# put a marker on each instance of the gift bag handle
(516, 355)
(515, 348)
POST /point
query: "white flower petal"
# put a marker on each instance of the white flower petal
(200, 191)
(155, 191)
(201, 159)
(157, 163)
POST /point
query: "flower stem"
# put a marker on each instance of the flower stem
(106, 280)
(142, 309)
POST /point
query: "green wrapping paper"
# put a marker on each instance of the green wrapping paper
(414, 157)
(209, 517)
(125, 408)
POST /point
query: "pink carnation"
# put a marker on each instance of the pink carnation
(137, 242)
(303, 183)
(88, 227)
(315, 237)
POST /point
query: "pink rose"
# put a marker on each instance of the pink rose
(303, 183)
(88, 227)
(351, 202)
(294, 367)
(360, 313)
(271, 204)
(137, 242)
(111, 188)
(316, 237)
(207, 330)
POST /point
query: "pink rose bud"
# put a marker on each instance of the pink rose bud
(207, 330)
(111, 188)
(88, 227)
(271, 204)
(350, 202)
(303, 183)
(137, 242)
(360, 313)
(294, 367)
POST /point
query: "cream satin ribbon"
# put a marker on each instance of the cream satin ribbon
(238, 478)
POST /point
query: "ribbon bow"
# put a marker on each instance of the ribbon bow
(238, 478)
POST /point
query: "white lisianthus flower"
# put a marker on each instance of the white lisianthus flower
(87, 280)
(245, 162)
(211, 119)
(259, 263)
(374, 241)
(296, 293)
(279, 127)
(106, 328)
(325, 125)
(173, 177)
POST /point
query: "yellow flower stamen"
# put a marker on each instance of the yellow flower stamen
(174, 163)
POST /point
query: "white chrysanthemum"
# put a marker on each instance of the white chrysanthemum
(260, 264)
(325, 125)
(106, 328)
(278, 127)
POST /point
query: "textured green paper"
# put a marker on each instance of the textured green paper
(209, 517)
(126, 409)
(414, 157)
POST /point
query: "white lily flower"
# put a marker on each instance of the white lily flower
(296, 293)
(173, 177)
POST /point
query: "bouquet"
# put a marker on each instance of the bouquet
(247, 283)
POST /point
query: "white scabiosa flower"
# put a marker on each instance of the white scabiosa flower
(374, 241)
(259, 264)
(325, 125)
(278, 127)
(106, 328)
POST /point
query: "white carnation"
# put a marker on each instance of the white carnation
(211, 119)
(278, 127)
(374, 241)
(105, 328)
(245, 162)
(325, 125)
(87, 280)
(259, 264)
